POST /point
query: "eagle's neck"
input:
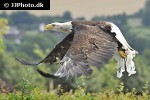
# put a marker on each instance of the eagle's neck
(63, 27)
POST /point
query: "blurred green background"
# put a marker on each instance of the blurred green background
(22, 35)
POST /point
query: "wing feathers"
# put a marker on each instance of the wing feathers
(71, 68)
(24, 62)
(88, 44)
(57, 52)
(47, 75)
(88, 48)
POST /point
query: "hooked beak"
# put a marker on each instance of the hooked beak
(49, 27)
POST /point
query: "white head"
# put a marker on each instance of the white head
(61, 27)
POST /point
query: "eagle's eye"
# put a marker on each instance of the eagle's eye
(53, 25)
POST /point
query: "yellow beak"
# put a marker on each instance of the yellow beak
(49, 27)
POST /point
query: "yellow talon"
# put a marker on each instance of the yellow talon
(122, 54)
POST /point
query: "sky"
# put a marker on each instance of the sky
(91, 8)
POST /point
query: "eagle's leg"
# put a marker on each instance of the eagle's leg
(122, 54)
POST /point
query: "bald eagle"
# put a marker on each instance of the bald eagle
(88, 43)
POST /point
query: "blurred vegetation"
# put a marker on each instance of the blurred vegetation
(3, 29)
(35, 45)
(78, 94)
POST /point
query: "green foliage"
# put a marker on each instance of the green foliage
(121, 87)
(146, 56)
(25, 83)
(2, 46)
(19, 18)
(3, 29)
(3, 26)
(137, 37)
(79, 94)
(146, 13)
(10, 71)
(98, 81)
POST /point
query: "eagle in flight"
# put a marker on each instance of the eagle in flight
(88, 43)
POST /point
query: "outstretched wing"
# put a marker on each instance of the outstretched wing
(58, 52)
(91, 46)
